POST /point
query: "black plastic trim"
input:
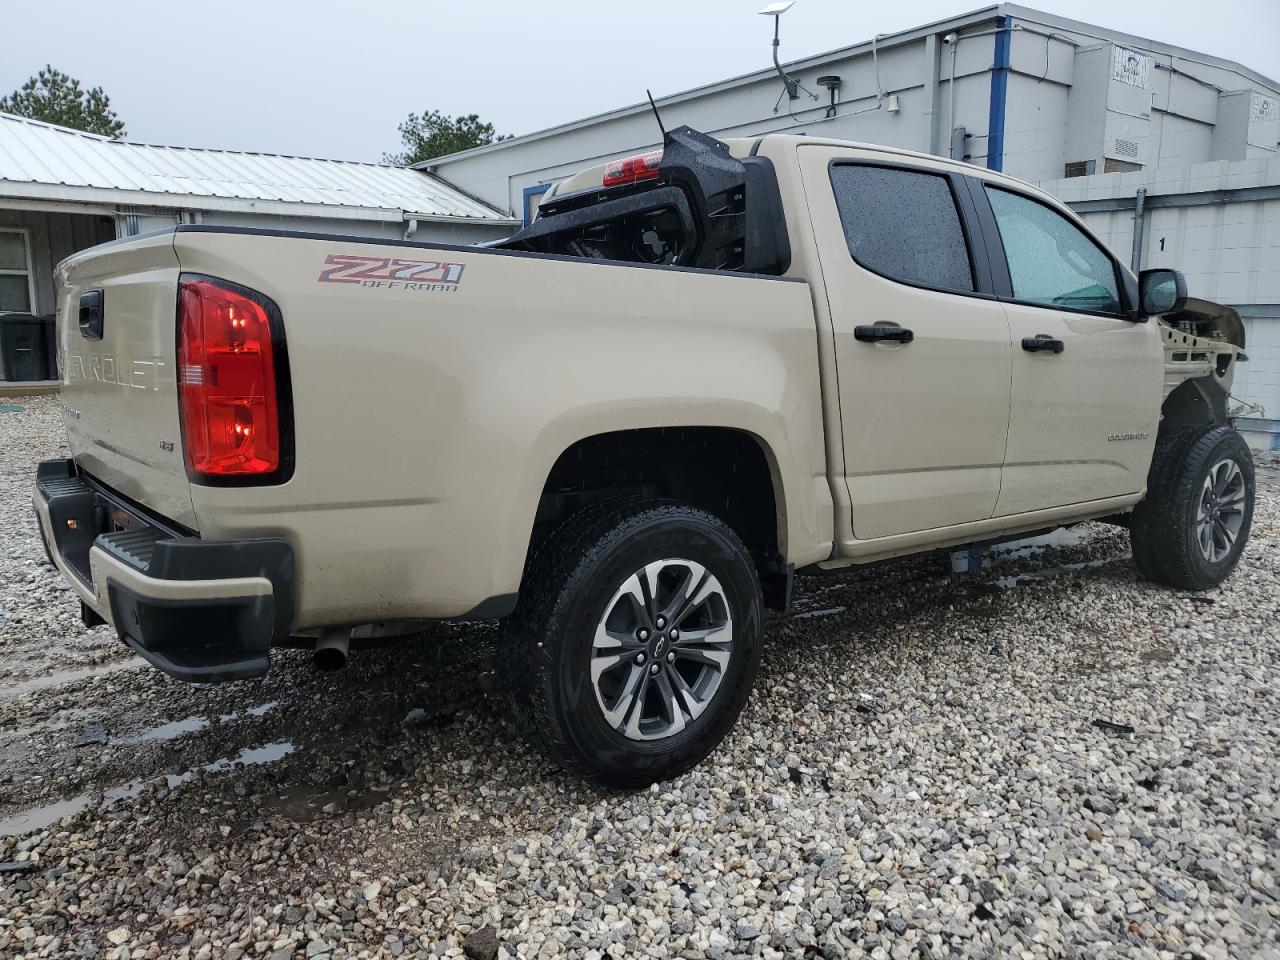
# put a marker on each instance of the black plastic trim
(129, 505)
(480, 251)
(217, 640)
(493, 608)
(284, 387)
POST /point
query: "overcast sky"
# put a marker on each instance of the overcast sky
(333, 79)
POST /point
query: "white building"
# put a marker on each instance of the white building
(1092, 114)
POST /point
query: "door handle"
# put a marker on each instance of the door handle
(1043, 342)
(871, 333)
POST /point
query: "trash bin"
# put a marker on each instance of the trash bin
(49, 322)
(23, 355)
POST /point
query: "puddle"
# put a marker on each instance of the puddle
(38, 818)
(1014, 580)
(251, 756)
(60, 677)
(61, 720)
(180, 728)
(809, 614)
(1060, 539)
(306, 802)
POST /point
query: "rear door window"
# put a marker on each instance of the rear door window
(1051, 260)
(904, 225)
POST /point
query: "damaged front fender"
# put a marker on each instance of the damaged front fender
(1203, 342)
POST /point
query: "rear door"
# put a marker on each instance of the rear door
(117, 335)
(921, 342)
(1087, 381)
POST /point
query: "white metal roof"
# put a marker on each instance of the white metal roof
(41, 161)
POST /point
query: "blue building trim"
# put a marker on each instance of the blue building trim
(999, 93)
(537, 190)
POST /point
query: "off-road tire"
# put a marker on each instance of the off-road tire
(568, 582)
(1163, 528)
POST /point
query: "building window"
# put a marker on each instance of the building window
(532, 197)
(15, 271)
(1119, 166)
(1078, 168)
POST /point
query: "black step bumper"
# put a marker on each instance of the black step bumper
(200, 610)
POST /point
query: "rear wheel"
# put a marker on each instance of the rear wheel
(1191, 529)
(636, 640)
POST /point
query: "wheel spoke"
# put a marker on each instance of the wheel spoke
(695, 576)
(633, 592)
(670, 703)
(616, 714)
(689, 700)
(708, 655)
(635, 713)
(708, 588)
(601, 665)
(1206, 538)
(1227, 472)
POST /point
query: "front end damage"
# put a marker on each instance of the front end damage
(1203, 342)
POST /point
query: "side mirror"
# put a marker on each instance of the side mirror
(1161, 291)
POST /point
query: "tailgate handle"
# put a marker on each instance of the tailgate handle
(91, 315)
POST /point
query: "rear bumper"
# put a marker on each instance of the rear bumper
(200, 610)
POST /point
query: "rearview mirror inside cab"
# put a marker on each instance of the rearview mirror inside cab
(1161, 291)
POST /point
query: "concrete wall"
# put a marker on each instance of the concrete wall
(53, 237)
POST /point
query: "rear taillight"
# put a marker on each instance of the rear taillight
(630, 169)
(232, 384)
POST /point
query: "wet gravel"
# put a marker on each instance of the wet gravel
(1047, 758)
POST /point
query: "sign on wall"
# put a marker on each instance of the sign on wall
(1131, 67)
(1263, 109)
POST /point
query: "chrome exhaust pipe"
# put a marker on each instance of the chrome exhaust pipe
(331, 650)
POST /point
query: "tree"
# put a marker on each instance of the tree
(434, 135)
(54, 97)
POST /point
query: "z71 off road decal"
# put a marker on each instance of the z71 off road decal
(392, 273)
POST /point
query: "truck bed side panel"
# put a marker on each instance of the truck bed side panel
(434, 390)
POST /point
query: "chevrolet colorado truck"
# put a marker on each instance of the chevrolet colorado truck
(623, 429)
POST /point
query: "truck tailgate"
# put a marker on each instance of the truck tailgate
(119, 383)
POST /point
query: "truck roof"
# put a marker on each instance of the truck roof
(592, 178)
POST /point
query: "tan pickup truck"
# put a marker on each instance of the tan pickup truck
(623, 429)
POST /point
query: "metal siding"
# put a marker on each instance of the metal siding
(39, 153)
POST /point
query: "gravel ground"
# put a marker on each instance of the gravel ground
(1047, 759)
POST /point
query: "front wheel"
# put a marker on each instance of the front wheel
(636, 640)
(1191, 529)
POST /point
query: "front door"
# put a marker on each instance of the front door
(1087, 381)
(922, 345)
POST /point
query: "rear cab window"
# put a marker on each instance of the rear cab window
(904, 225)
